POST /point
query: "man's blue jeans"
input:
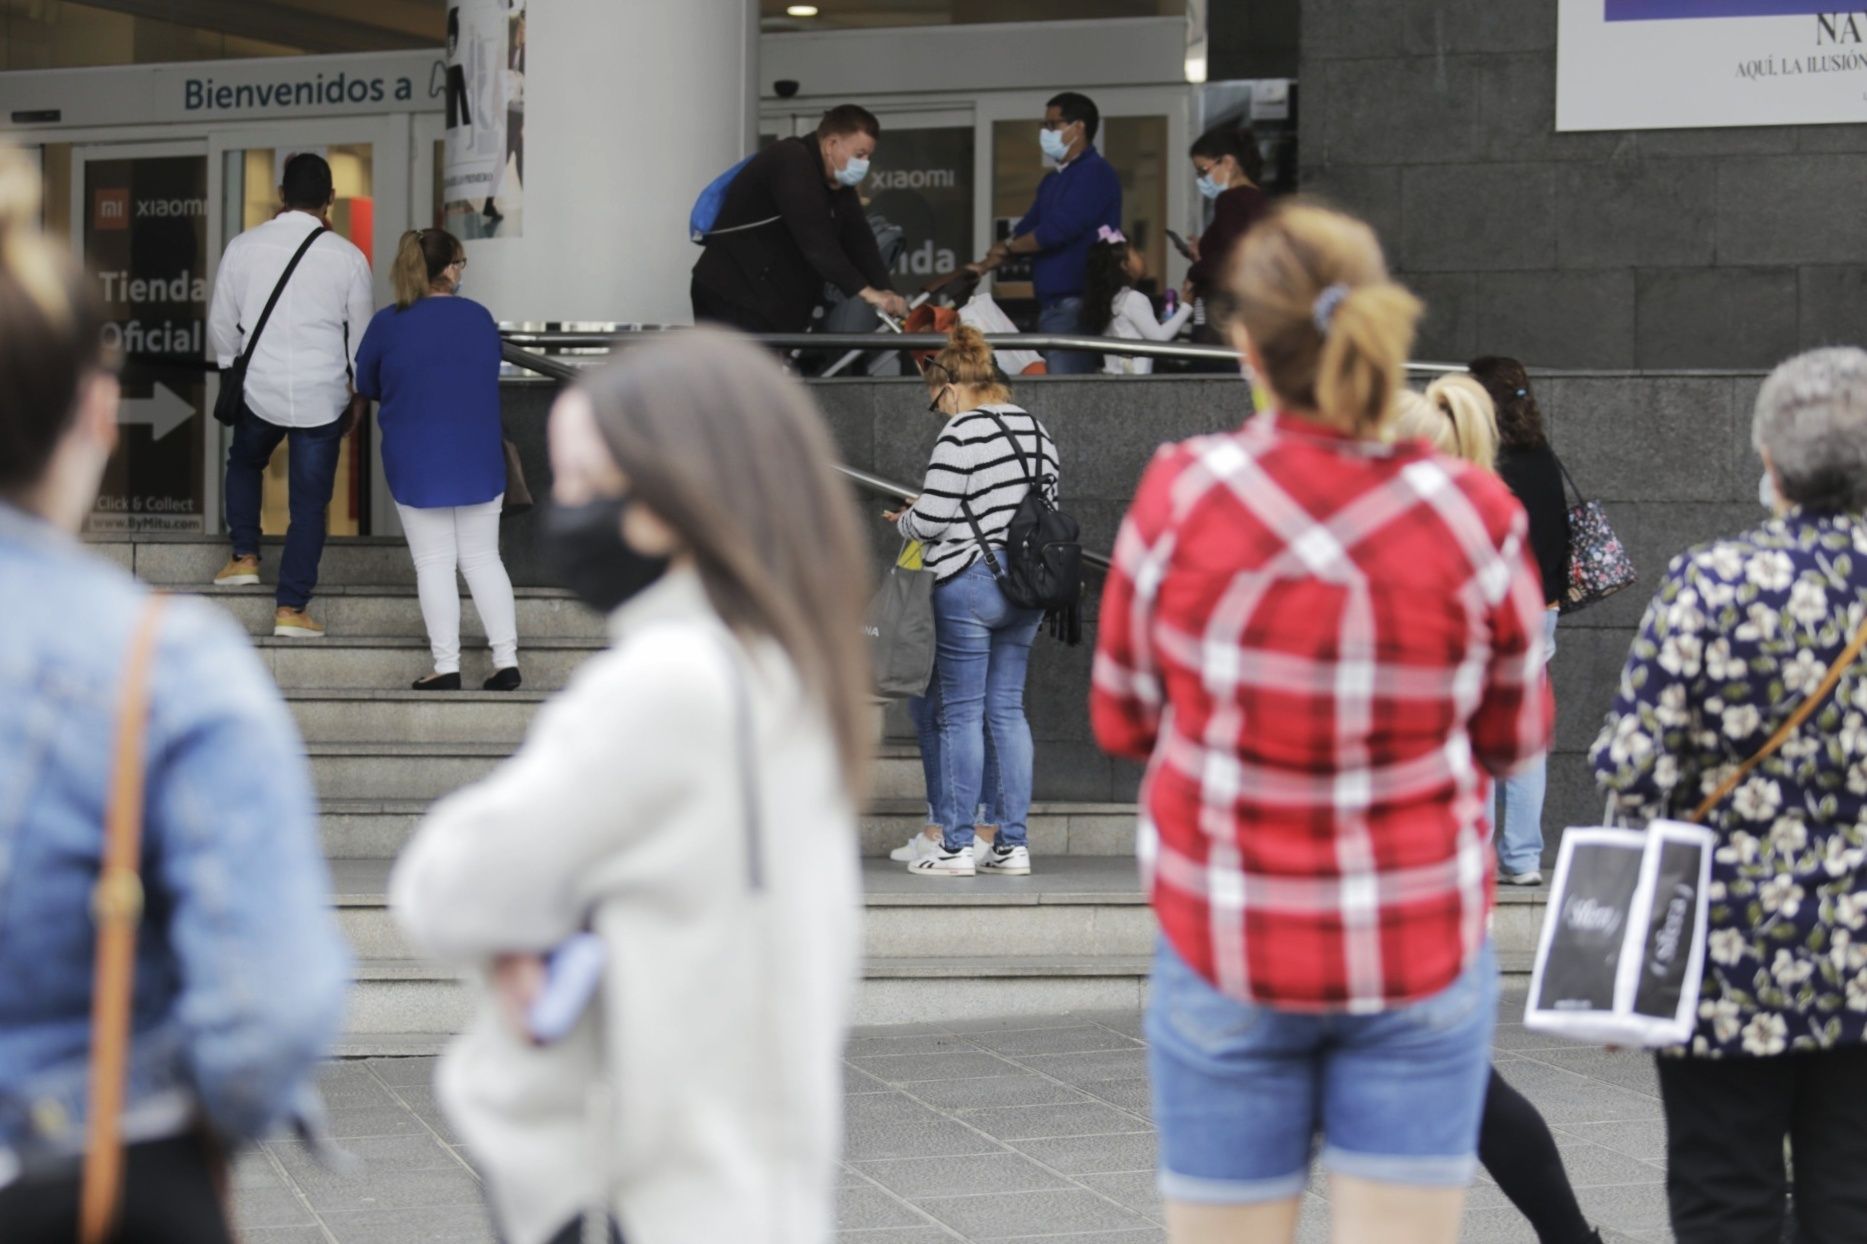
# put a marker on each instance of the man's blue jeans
(983, 644)
(1520, 824)
(312, 473)
(1065, 315)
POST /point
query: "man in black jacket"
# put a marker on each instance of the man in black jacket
(792, 222)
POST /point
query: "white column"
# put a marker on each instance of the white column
(631, 106)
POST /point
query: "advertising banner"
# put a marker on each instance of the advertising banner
(1665, 64)
(483, 181)
(922, 182)
(145, 244)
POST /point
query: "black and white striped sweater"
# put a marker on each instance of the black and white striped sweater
(974, 461)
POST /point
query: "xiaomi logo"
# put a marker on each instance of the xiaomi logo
(110, 208)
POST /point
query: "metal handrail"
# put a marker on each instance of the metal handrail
(864, 480)
(929, 341)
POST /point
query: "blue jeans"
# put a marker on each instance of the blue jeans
(1065, 315)
(983, 647)
(925, 712)
(312, 474)
(1241, 1090)
(1520, 824)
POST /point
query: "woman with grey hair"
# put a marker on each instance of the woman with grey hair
(1742, 632)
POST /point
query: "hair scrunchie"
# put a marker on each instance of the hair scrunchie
(1327, 304)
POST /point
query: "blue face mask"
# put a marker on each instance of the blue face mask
(852, 173)
(1210, 188)
(1052, 143)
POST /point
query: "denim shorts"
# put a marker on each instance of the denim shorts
(1242, 1091)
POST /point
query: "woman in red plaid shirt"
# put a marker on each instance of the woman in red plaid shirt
(1324, 644)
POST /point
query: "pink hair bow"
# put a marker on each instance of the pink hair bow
(1106, 234)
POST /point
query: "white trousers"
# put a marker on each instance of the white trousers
(465, 538)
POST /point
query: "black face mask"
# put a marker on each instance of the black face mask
(584, 551)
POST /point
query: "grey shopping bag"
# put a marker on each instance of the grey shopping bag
(900, 627)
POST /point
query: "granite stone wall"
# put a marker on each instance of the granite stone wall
(1668, 454)
(1435, 119)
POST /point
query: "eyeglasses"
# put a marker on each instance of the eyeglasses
(458, 263)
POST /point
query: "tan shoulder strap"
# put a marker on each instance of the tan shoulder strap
(117, 907)
(1810, 703)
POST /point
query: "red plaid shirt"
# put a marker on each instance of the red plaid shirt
(1321, 645)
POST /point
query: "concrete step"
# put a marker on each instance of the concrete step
(409, 771)
(378, 828)
(192, 561)
(1076, 935)
(389, 663)
(393, 611)
(467, 716)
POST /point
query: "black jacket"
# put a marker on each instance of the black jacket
(777, 271)
(1536, 477)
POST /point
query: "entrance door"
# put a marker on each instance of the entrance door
(369, 171)
(139, 222)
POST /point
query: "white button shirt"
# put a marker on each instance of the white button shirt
(300, 374)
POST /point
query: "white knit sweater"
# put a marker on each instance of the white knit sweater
(723, 1013)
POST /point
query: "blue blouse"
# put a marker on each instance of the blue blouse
(435, 369)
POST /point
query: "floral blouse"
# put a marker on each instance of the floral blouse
(1740, 631)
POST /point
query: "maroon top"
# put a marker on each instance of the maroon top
(1234, 212)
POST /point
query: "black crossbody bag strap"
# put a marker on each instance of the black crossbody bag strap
(1568, 478)
(252, 342)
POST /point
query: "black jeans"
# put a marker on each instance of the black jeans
(1726, 1120)
(1516, 1147)
(170, 1196)
(311, 476)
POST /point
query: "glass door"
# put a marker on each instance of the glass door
(369, 172)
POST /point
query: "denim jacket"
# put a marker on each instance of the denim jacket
(240, 968)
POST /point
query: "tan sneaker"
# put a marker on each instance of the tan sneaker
(240, 572)
(295, 624)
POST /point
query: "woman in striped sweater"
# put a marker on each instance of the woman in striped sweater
(989, 456)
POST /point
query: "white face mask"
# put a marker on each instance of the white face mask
(852, 173)
(1053, 144)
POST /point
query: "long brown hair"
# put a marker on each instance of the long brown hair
(731, 452)
(420, 258)
(1344, 356)
(1519, 421)
(50, 331)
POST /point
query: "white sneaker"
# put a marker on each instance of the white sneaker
(919, 847)
(944, 863)
(1533, 877)
(1004, 861)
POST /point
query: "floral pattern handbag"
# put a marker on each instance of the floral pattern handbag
(1598, 562)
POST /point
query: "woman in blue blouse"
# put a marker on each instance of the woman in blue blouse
(432, 360)
(1741, 630)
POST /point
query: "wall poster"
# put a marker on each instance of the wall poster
(1666, 64)
(145, 244)
(483, 175)
(922, 182)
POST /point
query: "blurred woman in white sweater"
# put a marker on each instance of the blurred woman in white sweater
(691, 799)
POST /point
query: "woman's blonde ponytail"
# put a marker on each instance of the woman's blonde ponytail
(409, 274)
(1364, 355)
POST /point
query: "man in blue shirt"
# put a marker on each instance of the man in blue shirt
(1081, 196)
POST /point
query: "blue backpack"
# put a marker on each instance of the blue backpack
(706, 211)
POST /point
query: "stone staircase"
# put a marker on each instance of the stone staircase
(1076, 935)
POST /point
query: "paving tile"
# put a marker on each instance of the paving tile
(415, 1072)
(1007, 1215)
(373, 1153)
(1138, 1190)
(395, 1120)
(994, 1091)
(1090, 1155)
(962, 1176)
(897, 1235)
(422, 1102)
(1144, 1235)
(371, 1190)
(877, 1127)
(1495, 1226)
(907, 1068)
(1037, 1122)
(871, 1207)
(925, 1043)
(1591, 1165)
(1644, 1139)
(284, 1235)
(1086, 1039)
(463, 1224)
(255, 1170)
(1623, 1069)
(271, 1207)
(855, 1081)
(1516, 1037)
(1633, 1208)
(1081, 1069)
(1135, 1096)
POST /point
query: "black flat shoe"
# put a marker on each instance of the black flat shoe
(437, 682)
(506, 679)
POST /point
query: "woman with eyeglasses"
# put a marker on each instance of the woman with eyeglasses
(432, 360)
(1228, 164)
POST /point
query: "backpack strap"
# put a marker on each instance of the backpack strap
(252, 342)
(1031, 477)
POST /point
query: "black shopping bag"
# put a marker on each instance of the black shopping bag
(1623, 943)
(900, 627)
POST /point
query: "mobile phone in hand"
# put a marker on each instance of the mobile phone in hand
(1179, 244)
(572, 974)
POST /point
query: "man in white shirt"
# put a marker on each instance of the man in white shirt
(297, 383)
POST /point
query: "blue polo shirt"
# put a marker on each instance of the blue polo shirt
(1072, 204)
